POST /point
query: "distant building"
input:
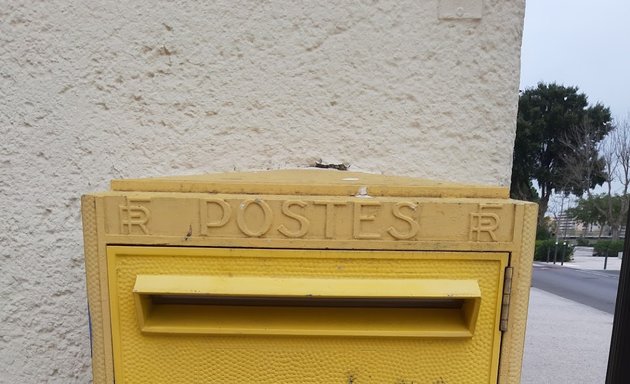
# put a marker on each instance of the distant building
(567, 227)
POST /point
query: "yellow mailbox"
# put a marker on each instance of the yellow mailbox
(306, 276)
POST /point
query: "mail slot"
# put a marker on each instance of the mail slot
(330, 307)
(307, 276)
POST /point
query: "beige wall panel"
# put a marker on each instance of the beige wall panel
(101, 90)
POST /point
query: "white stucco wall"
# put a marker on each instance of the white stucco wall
(91, 91)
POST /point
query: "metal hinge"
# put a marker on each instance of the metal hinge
(507, 292)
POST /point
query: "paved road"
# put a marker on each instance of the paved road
(597, 289)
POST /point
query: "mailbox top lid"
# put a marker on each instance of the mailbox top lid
(309, 182)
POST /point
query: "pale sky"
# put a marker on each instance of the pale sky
(583, 43)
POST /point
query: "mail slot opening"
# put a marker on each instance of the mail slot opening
(302, 306)
(324, 302)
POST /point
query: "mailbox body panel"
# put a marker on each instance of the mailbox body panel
(312, 355)
(430, 233)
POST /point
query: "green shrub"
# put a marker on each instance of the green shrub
(542, 246)
(608, 247)
(543, 232)
(582, 242)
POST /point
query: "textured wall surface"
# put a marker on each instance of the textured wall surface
(99, 90)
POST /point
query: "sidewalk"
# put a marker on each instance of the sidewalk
(567, 342)
(583, 259)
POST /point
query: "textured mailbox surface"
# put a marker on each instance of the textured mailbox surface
(179, 358)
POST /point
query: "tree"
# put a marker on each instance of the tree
(595, 210)
(547, 115)
(621, 138)
(587, 211)
(613, 155)
(585, 163)
(616, 153)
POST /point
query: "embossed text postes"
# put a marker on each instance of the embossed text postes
(298, 218)
(334, 218)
